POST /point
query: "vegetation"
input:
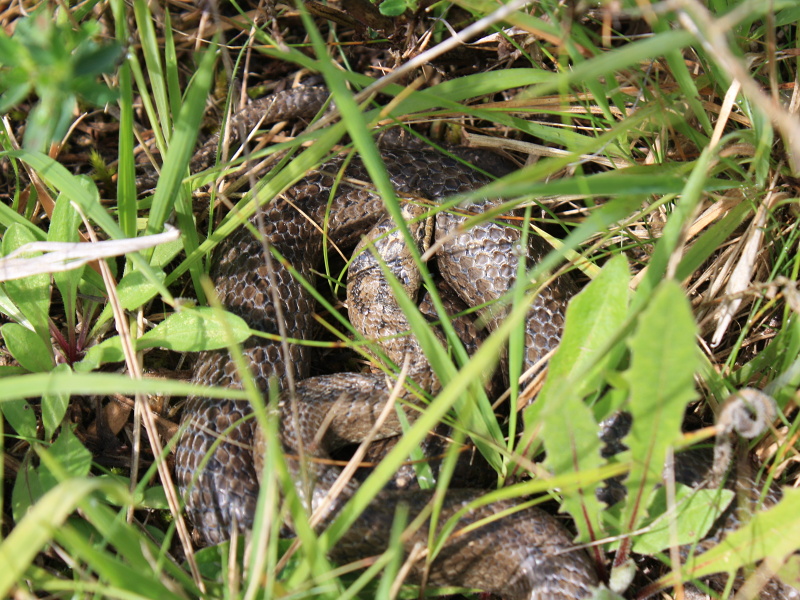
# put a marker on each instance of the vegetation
(658, 146)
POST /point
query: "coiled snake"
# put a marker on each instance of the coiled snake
(526, 555)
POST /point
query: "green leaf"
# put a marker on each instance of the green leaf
(14, 95)
(8, 308)
(27, 347)
(193, 330)
(8, 371)
(661, 379)
(73, 458)
(107, 351)
(21, 417)
(393, 8)
(92, 59)
(64, 226)
(54, 407)
(695, 513)
(31, 294)
(593, 320)
(10, 50)
(134, 289)
(770, 534)
(84, 193)
(27, 490)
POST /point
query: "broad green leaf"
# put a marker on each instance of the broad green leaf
(54, 407)
(770, 534)
(163, 254)
(31, 295)
(664, 358)
(194, 330)
(27, 490)
(74, 459)
(21, 417)
(64, 226)
(27, 347)
(788, 571)
(393, 8)
(594, 317)
(134, 289)
(107, 351)
(695, 513)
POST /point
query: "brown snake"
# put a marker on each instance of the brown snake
(526, 555)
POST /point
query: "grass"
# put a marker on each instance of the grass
(672, 195)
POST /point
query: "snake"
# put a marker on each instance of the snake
(268, 281)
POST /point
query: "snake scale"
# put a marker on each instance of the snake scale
(526, 555)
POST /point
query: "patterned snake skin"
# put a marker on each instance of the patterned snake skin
(537, 561)
(219, 455)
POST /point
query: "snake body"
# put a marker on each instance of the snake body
(215, 463)
(218, 459)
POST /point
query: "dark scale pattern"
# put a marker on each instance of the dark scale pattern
(243, 285)
(220, 485)
(498, 557)
(525, 555)
(486, 256)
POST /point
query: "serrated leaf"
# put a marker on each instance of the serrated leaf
(569, 434)
(27, 348)
(594, 316)
(770, 534)
(695, 513)
(664, 359)
(54, 407)
(788, 572)
(195, 330)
